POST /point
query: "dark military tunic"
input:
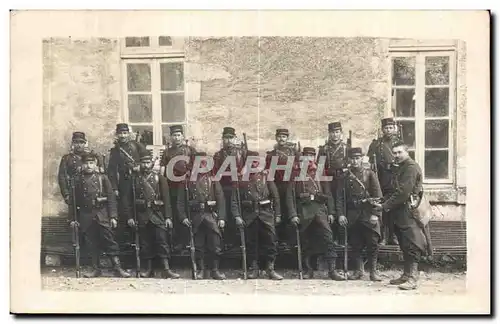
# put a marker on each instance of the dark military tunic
(362, 184)
(407, 180)
(207, 206)
(314, 202)
(153, 208)
(96, 206)
(260, 204)
(380, 152)
(69, 166)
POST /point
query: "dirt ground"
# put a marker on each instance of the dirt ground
(63, 279)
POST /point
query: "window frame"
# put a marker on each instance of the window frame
(420, 53)
(153, 55)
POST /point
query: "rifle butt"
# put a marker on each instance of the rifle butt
(299, 253)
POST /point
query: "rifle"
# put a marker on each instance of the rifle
(242, 232)
(104, 168)
(75, 230)
(194, 274)
(348, 148)
(136, 229)
(297, 232)
(400, 132)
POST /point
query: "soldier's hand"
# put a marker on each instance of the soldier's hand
(131, 222)
(117, 193)
(66, 199)
(221, 223)
(74, 224)
(373, 219)
(277, 220)
(343, 221)
(239, 221)
(330, 219)
(295, 221)
(114, 223)
(376, 206)
(168, 223)
(186, 222)
(136, 168)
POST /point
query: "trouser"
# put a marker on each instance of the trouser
(317, 239)
(264, 235)
(154, 242)
(411, 253)
(282, 231)
(180, 232)
(208, 241)
(229, 237)
(100, 239)
(360, 237)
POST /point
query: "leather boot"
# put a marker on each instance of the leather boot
(332, 272)
(148, 272)
(167, 273)
(309, 274)
(359, 273)
(118, 268)
(215, 271)
(96, 267)
(404, 277)
(200, 274)
(374, 274)
(253, 271)
(271, 273)
(412, 282)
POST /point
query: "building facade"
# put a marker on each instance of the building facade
(258, 84)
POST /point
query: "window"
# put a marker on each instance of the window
(423, 102)
(153, 87)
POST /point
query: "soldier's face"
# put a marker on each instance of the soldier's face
(356, 161)
(228, 141)
(123, 136)
(389, 130)
(89, 166)
(177, 138)
(79, 145)
(336, 135)
(281, 139)
(146, 165)
(400, 154)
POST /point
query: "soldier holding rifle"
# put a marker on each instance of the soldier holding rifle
(260, 211)
(314, 215)
(154, 216)
(97, 215)
(362, 188)
(205, 200)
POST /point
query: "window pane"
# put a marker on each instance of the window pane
(408, 132)
(436, 164)
(145, 133)
(165, 41)
(405, 102)
(140, 109)
(172, 76)
(139, 77)
(403, 70)
(172, 107)
(136, 41)
(437, 102)
(437, 70)
(436, 133)
(166, 133)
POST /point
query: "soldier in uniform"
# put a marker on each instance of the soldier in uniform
(72, 162)
(380, 153)
(97, 215)
(208, 214)
(229, 148)
(283, 149)
(314, 215)
(407, 181)
(154, 215)
(260, 204)
(335, 154)
(178, 146)
(124, 159)
(362, 219)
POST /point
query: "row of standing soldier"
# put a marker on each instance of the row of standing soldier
(202, 205)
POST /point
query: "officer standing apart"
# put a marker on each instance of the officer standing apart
(258, 196)
(97, 215)
(335, 153)
(380, 153)
(154, 214)
(208, 214)
(314, 215)
(407, 181)
(362, 219)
